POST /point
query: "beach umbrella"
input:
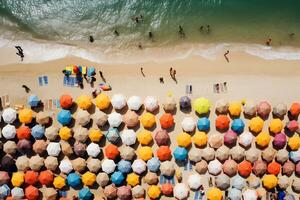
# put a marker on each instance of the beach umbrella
(269, 181)
(81, 134)
(215, 141)
(85, 194)
(31, 192)
(201, 167)
(279, 141)
(263, 139)
(167, 168)
(235, 194)
(131, 119)
(194, 181)
(111, 151)
(249, 194)
(124, 193)
(222, 106)
(296, 185)
(79, 164)
(167, 121)
(200, 138)
(17, 179)
(153, 164)
(66, 101)
(36, 163)
(169, 104)
(93, 150)
(8, 163)
(222, 122)
(49, 193)
(88, 178)
(22, 163)
(151, 103)
(73, 180)
(253, 181)
(222, 153)
(95, 135)
(144, 137)
(161, 137)
(84, 102)
(128, 137)
(180, 153)
(183, 139)
(38, 131)
(51, 132)
(295, 109)
(297, 169)
(268, 154)
(24, 146)
(252, 155)
(148, 120)
(4, 177)
(249, 108)
(133, 179)
(138, 192)
(102, 101)
(185, 102)
(53, 149)
(65, 133)
(194, 155)
(33, 100)
(181, 191)
(188, 124)
(66, 148)
(167, 189)
(237, 153)
(23, 132)
(82, 117)
(51, 163)
(280, 110)
(230, 167)
(288, 168)
(203, 124)
(235, 109)
(79, 148)
(65, 166)
(124, 166)
(208, 154)
(292, 126)
(202, 105)
(222, 182)
(127, 153)
(17, 193)
(108, 166)
(9, 132)
(25, 115)
(99, 118)
(134, 103)
(259, 168)
(151, 178)
(144, 153)
(261, 192)
(263, 109)
(214, 167)
(294, 142)
(10, 147)
(102, 179)
(115, 119)
(295, 156)
(64, 117)
(282, 156)
(214, 194)
(238, 183)
(245, 139)
(276, 125)
(238, 125)
(154, 192)
(245, 168)
(46, 177)
(164, 153)
(112, 135)
(9, 115)
(110, 191)
(118, 101)
(256, 124)
(93, 165)
(230, 138)
(283, 182)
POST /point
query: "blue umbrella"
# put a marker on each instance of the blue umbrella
(185, 102)
(117, 178)
(64, 117)
(33, 100)
(124, 166)
(180, 153)
(85, 194)
(295, 156)
(235, 194)
(73, 180)
(112, 135)
(153, 164)
(203, 124)
(238, 125)
(38, 131)
(4, 191)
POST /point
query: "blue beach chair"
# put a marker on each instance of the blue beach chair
(161, 179)
(45, 80)
(196, 197)
(65, 80)
(40, 79)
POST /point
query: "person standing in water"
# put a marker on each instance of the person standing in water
(91, 38)
(268, 42)
(225, 55)
(116, 33)
(20, 52)
(181, 32)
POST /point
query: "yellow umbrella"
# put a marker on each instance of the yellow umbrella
(88, 178)
(25, 115)
(256, 124)
(144, 137)
(294, 142)
(276, 126)
(133, 179)
(59, 182)
(65, 133)
(84, 102)
(200, 138)
(263, 139)
(154, 192)
(145, 153)
(102, 101)
(17, 179)
(201, 105)
(148, 120)
(183, 139)
(270, 181)
(235, 108)
(95, 135)
(214, 194)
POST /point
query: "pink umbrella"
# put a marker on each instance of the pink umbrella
(263, 109)
(162, 137)
(279, 140)
(292, 126)
(288, 168)
(4, 177)
(259, 167)
(230, 167)
(124, 193)
(230, 138)
(297, 169)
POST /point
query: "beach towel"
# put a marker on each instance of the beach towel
(104, 86)
(90, 71)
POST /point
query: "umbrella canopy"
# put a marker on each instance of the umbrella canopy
(25, 115)
(93, 165)
(8, 163)
(292, 126)
(46, 177)
(188, 124)
(65, 166)
(85, 194)
(283, 182)
(66, 101)
(252, 155)
(295, 156)
(24, 146)
(166, 121)
(9, 115)
(82, 117)
(214, 194)
(124, 193)
(64, 117)
(134, 103)
(99, 118)
(95, 135)
(235, 194)
(161, 137)
(131, 119)
(108, 166)
(287, 169)
(268, 154)
(153, 164)
(124, 166)
(144, 137)
(237, 153)
(81, 134)
(49, 193)
(112, 135)
(214, 167)
(208, 154)
(79, 164)
(84, 102)
(280, 110)
(185, 102)
(222, 106)
(23, 132)
(256, 124)
(51, 163)
(222, 122)
(235, 109)
(17, 193)
(230, 167)
(230, 138)
(250, 108)
(276, 125)
(145, 153)
(118, 101)
(180, 153)
(151, 103)
(245, 139)
(88, 178)
(279, 140)
(294, 142)
(53, 149)
(274, 168)
(127, 153)
(239, 182)
(183, 139)
(33, 100)
(148, 120)
(194, 181)
(249, 194)
(215, 141)
(222, 182)
(269, 181)
(9, 132)
(73, 180)
(51, 132)
(128, 137)
(154, 192)
(222, 153)
(164, 153)
(139, 166)
(31, 193)
(282, 156)
(79, 148)
(259, 168)
(181, 191)
(151, 178)
(195, 155)
(263, 139)
(93, 150)
(203, 124)
(295, 109)
(59, 182)
(38, 131)
(167, 168)
(238, 125)
(22, 163)
(10, 147)
(200, 138)
(110, 191)
(296, 185)
(31, 177)
(245, 168)
(102, 101)
(102, 179)
(253, 182)
(65, 133)
(4, 177)
(297, 169)
(115, 119)
(133, 179)
(169, 104)
(201, 167)
(36, 163)
(263, 109)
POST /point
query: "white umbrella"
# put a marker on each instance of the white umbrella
(128, 137)
(115, 119)
(246, 138)
(108, 166)
(188, 124)
(249, 195)
(9, 115)
(214, 167)
(235, 194)
(53, 149)
(139, 166)
(93, 149)
(9, 131)
(118, 101)
(65, 166)
(151, 103)
(134, 103)
(250, 108)
(17, 193)
(222, 106)
(194, 181)
(238, 182)
(181, 191)
(295, 156)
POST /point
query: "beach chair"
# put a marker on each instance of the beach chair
(45, 78)
(188, 89)
(50, 104)
(57, 103)
(161, 179)
(65, 81)
(40, 81)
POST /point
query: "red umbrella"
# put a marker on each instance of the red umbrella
(292, 126)
(31, 193)
(274, 168)
(164, 153)
(166, 120)
(4, 177)
(167, 189)
(245, 168)
(75, 69)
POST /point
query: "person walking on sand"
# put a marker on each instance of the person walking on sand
(225, 55)
(142, 71)
(116, 33)
(91, 38)
(174, 74)
(161, 79)
(27, 89)
(20, 52)
(268, 42)
(171, 72)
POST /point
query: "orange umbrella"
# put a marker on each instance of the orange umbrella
(274, 168)
(245, 168)
(167, 189)
(23, 132)
(31, 193)
(46, 177)
(295, 109)
(166, 120)
(164, 153)
(111, 151)
(65, 101)
(222, 122)
(31, 177)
